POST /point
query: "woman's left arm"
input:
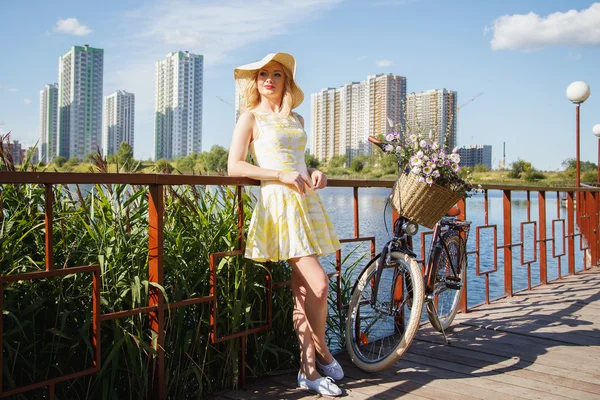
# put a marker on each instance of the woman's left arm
(319, 179)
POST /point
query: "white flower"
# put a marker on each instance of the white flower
(435, 146)
(423, 144)
(436, 174)
(429, 180)
(420, 154)
(413, 138)
(389, 137)
(398, 148)
(455, 167)
(415, 161)
(454, 150)
(388, 147)
(416, 170)
(427, 170)
(421, 179)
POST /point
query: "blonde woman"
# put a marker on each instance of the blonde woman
(289, 221)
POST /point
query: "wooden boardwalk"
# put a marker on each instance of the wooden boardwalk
(542, 344)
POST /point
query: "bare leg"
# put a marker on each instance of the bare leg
(309, 287)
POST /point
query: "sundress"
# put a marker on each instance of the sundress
(285, 223)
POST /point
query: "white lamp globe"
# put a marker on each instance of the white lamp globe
(578, 92)
(596, 130)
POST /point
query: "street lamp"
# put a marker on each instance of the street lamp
(596, 130)
(577, 92)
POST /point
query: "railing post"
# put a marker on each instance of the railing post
(571, 232)
(542, 235)
(596, 225)
(462, 205)
(507, 244)
(156, 275)
(48, 226)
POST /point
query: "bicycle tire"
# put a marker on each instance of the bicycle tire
(441, 270)
(412, 272)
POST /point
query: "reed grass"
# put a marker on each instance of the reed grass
(47, 323)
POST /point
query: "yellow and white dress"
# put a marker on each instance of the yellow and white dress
(286, 224)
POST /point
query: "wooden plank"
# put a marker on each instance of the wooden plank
(582, 381)
(527, 348)
(567, 387)
(523, 387)
(543, 344)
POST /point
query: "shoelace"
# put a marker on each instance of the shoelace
(328, 380)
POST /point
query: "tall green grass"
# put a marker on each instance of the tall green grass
(47, 323)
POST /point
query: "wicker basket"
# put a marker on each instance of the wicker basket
(419, 202)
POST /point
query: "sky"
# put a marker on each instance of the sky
(521, 54)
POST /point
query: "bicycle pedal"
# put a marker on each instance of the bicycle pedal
(453, 284)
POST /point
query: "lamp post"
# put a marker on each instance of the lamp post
(577, 92)
(596, 130)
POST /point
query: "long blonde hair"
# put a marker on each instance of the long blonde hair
(252, 97)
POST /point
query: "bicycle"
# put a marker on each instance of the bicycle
(386, 305)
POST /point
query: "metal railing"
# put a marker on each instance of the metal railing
(587, 220)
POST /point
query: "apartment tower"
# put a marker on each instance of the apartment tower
(47, 146)
(433, 111)
(343, 118)
(178, 116)
(80, 80)
(119, 115)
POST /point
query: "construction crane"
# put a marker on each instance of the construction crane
(464, 104)
(224, 101)
(469, 101)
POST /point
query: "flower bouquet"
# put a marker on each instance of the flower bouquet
(429, 184)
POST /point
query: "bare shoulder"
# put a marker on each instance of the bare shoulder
(300, 118)
(246, 120)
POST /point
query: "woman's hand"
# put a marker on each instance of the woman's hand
(319, 179)
(297, 179)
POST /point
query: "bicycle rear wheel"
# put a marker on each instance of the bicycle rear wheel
(376, 337)
(448, 286)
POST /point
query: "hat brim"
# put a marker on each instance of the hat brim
(243, 75)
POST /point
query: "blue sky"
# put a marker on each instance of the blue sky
(522, 54)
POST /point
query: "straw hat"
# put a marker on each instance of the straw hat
(243, 75)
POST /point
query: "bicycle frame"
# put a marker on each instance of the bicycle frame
(400, 243)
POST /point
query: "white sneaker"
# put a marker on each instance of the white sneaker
(333, 370)
(323, 386)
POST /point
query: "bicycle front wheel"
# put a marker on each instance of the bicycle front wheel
(449, 284)
(379, 332)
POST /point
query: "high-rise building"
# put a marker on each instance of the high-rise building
(472, 155)
(48, 123)
(178, 118)
(15, 150)
(433, 111)
(342, 119)
(119, 115)
(80, 82)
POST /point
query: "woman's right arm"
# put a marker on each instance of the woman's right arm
(236, 163)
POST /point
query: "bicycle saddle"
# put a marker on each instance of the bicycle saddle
(453, 212)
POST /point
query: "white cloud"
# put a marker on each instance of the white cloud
(72, 27)
(27, 101)
(215, 28)
(383, 63)
(528, 32)
(13, 90)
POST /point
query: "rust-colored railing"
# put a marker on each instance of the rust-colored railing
(587, 221)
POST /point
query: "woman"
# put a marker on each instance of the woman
(289, 221)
